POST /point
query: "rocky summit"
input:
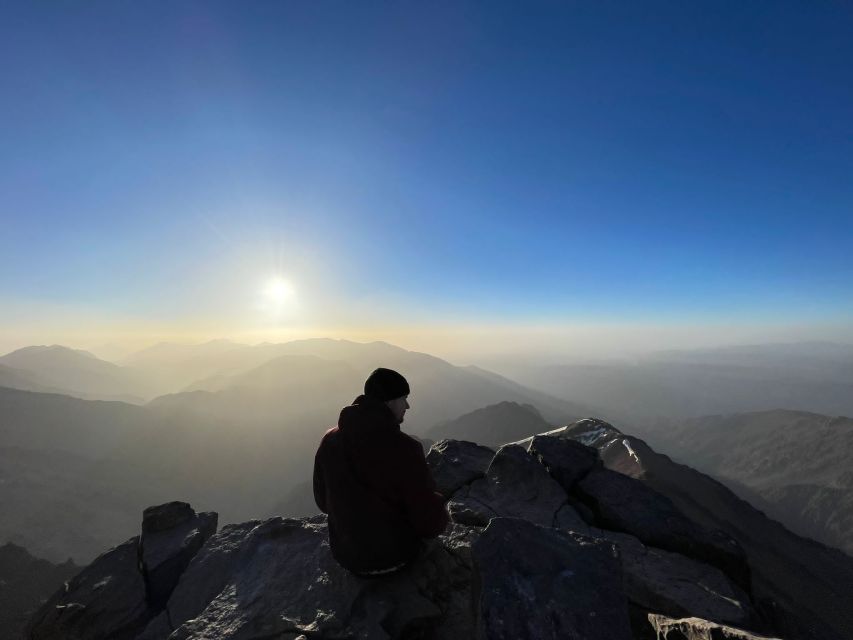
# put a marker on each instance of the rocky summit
(545, 542)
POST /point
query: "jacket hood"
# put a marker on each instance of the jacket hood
(367, 415)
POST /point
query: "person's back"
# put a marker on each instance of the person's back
(373, 481)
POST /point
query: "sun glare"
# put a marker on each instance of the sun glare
(277, 298)
(278, 291)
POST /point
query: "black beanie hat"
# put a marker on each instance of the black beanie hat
(385, 384)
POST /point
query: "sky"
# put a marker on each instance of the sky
(447, 175)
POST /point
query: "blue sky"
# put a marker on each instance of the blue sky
(426, 163)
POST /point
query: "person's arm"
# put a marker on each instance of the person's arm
(424, 505)
(319, 483)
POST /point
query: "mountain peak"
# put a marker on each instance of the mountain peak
(494, 424)
(49, 349)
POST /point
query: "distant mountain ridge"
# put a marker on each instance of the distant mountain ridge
(74, 372)
(795, 465)
(816, 377)
(18, 379)
(440, 391)
(493, 425)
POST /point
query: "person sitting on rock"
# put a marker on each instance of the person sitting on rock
(373, 482)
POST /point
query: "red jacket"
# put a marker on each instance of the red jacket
(372, 480)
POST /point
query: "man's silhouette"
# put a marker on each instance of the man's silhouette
(372, 480)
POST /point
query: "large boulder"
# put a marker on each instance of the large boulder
(172, 534)
(624, 504)
(670, 583)
(697, 629)
(568, 517)
(565, 459)
(105, 600)
(541, 583)
(515, 486)
(455, 463)
(458, 538)
(203, 580)
(277, 578)
(443, 574)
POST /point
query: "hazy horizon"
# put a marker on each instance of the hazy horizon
(483, 346)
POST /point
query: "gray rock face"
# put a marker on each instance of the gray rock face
(455, 463)
(105, 600)
(172, 534)
(515, 486)
(25, 583)
(458, 538)
(698, 629)
(666, 582)
(118, 594)
(566, 460)
(540, 583)
(468, 510)
(277, 578)
(568, 518)
(166, 516)
(624, 504)
(206, 576)
(279, 582)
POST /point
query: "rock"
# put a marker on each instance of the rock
(443, 575)
(464, 509)
(567, 518)
(540, 583)
(105, 600)
(565, 459)
(458, 538)
(624, 504)
(666, 582)
(278, 579)
(25, 584)
(455, 463)
(166, 516)
(208, 572)
(515, 486)
(589, 431)
(582, 510)
(171, 535)
(159, 628)
(697, 629)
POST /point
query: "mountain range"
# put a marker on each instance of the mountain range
(73, 372)
(236, 426)
(807, 376)
(240, 440)
(794, 465)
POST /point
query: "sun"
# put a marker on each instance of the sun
(278, 292)
(277, 298)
